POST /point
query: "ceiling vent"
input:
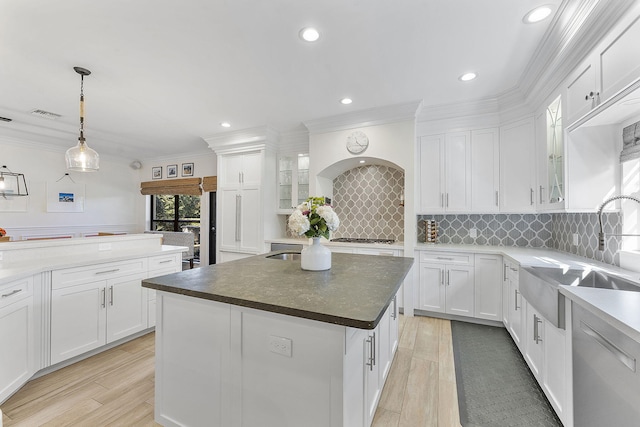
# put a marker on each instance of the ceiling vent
(45, 114)
(5, 119)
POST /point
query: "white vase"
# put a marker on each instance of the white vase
(315, 257)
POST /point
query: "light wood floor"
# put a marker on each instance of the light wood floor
(115, 388)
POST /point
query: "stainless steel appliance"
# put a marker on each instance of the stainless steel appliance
(606, 381)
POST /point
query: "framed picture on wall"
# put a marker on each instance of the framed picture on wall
(156, 172)
(187, 169)
(172, 171)
(65, 197)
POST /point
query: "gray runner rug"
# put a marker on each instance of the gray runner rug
(495, 386)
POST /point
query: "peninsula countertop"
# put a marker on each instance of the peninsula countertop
(355, 292)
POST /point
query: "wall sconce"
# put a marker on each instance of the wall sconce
(12, 184)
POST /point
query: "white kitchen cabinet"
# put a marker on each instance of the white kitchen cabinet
(240, 213)
(372, 382)
(551, 157)
(505, 293)
(516, 310)
(445, 173)
(17, 329)
(94, 305)
(517, 167)
(485, 170)
(609, 68)
(160, 266)
(293, 181)
(447, 283)
(533, 339)
(488, 287)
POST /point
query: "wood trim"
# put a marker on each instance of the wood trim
(210, 183)
(189, 186)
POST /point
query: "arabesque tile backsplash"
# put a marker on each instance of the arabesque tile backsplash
(532, 230)
(367, 201)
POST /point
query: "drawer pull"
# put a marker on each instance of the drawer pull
(108, 271)
(13, 292)
(166, 261)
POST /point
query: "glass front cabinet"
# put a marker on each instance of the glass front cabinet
(293, 181)
(551, 161)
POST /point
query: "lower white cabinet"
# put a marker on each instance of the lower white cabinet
(89, 315)
(160, 266)
(516, 310)
(447, 286)
(17, 346)
(534, 343)
(488, 287)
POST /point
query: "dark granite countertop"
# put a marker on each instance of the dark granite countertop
(355, 292)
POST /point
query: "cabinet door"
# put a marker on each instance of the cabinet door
(78, 320)
(431, 166)
(230, 170)
(533, 340)
(516, 312)
(394, 324)
(432, 296)
(619, 58)
(457, 197)
(517, 169)
(371, 375)
(17, 347)
(555, 374)
(485, 170)
(459, 290)
(384, 350)
(505, 294)
(250, 220)
(286, 178)
(580, 84)
(252, 168)
(228, 221)
(488, 287)
(126, 307)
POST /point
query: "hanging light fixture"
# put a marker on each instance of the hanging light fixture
(12, 184)
(81, 157)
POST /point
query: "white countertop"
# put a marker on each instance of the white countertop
(621, 309)
(16, 270)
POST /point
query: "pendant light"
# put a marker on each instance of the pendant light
(81, 157)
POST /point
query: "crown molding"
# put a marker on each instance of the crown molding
(296, 141)
(363, 118)
(244, 140)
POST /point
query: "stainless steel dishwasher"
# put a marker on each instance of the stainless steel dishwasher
(606, 382)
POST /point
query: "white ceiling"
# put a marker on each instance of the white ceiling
(166, 73)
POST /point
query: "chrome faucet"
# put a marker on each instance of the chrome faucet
(600, 232)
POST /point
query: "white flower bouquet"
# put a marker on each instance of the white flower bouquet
(314, 218)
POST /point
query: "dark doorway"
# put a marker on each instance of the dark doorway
(212, 227)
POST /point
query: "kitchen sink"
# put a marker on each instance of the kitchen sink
(286, 256)
(539, 286)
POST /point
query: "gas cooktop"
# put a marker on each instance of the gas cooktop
(359, 240)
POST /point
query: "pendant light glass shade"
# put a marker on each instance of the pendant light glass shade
(82, 158)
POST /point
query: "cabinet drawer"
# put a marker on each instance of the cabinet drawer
(15, 291)
(446, 257)
(385, 252)
(164, 262)
(89, 273)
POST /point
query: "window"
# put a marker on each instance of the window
(177, 213)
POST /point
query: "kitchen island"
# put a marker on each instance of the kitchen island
(258, 341)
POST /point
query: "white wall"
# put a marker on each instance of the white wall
(112, 196)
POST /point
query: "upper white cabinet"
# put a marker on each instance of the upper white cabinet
(445, 173)
(550, 149)
(293, 181)
(614, 64)
(485, 170)
(240, 211)
(517, 166)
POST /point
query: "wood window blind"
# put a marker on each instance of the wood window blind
(210, 183)
(188, 186)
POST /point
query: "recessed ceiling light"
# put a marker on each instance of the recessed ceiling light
(346, 101)
(467, 76)
(225, 124)
(538, 14)
(309, 34)
(362, 161)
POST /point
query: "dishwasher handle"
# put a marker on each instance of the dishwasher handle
(624, 358)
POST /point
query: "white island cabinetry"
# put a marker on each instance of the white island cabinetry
(17, 348)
